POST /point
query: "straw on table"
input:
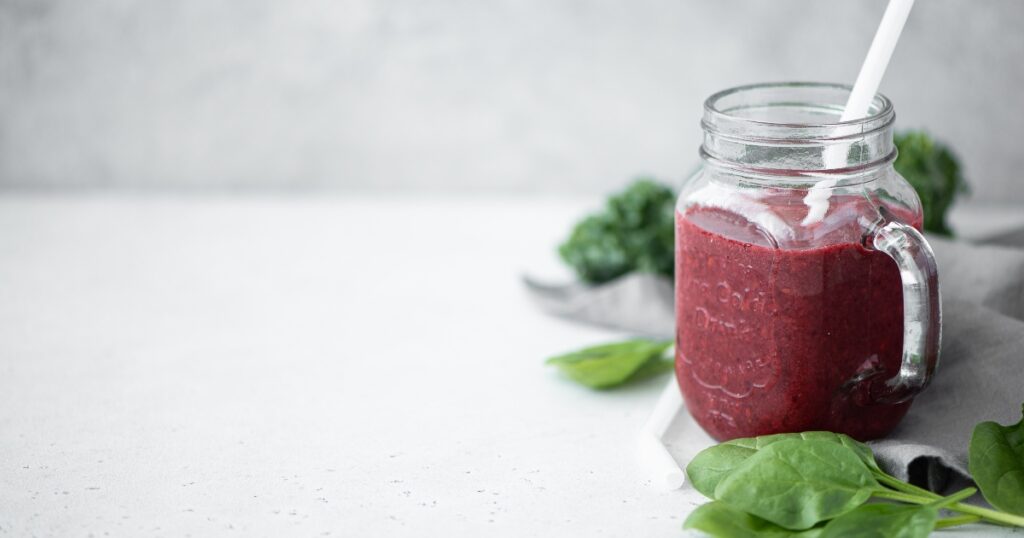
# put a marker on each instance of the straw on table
(653, 453)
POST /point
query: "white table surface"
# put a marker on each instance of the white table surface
(334, 366)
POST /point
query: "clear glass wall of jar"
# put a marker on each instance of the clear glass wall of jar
(806, 298)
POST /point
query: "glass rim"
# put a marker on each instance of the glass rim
(721, 120)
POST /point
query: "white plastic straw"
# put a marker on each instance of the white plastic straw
(653, 453)
(864, 90)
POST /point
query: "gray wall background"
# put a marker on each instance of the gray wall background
(460, 95)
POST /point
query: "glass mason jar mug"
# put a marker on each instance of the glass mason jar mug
(806, 297)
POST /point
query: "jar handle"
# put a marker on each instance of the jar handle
(922, 311)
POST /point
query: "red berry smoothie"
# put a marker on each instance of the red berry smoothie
(772, 339)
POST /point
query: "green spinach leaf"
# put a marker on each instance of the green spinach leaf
(883, 521)
(797, 483)
(996, 460)
(610, 365)
(723, 521)
(712, 465)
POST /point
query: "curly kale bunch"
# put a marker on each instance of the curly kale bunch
(933, 171)
(634, 233)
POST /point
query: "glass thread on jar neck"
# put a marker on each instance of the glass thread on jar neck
(790, 133)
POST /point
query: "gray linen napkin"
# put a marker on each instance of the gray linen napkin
(986, 274)
(640, 303)
(981, 370)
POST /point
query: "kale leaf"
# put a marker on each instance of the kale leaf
(933, 171)
(634, 233)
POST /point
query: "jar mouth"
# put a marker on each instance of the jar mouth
(791, 112)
